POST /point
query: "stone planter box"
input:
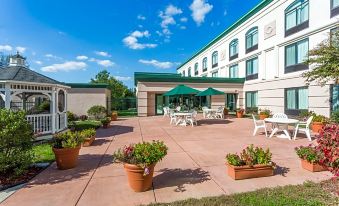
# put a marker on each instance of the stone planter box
(312, 167)
(246, 172)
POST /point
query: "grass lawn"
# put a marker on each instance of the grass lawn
(309, 194)
(127, 113)
(87, 124)
(43, 153)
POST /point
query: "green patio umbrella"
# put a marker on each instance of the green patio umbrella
(181, 90)
(210, 92)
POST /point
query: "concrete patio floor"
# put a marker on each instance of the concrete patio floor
(194, 167)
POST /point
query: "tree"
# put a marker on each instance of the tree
(325, 59)
(119, 90)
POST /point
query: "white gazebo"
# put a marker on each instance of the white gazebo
(44, 99)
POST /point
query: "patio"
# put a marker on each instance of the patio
(193, 168)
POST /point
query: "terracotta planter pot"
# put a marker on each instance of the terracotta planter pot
(317, 126)
(246, 172)
(136, 179)
(88, 141)
(312, 167)
(114, 116)
(225, 111)
(263, 116)
(240, 114)
(66, 158)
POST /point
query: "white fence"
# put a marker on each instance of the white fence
(42, 123)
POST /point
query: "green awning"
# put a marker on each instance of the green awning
(209, 92)
(181, 90)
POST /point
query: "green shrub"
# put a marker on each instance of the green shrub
(87, 124)
(265, 112)
(67, 140)
(71, 116)
(335, 117)
(308, 153)
(250, 156)
(16, 137)
(105, 121)
(97, 112)
(319, 118)
(88, 133)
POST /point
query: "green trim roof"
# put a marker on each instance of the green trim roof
(88, 85)
(171, 77)
(244, 18)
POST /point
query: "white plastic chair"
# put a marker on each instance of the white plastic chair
(166, 111)
(220, 113)
(306, 130)
(204, 112)
(178, 108)
(173, 117)
(192, 118)
(258, 124)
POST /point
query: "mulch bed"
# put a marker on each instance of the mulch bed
(6, 181)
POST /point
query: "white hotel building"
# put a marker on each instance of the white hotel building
(267, 47)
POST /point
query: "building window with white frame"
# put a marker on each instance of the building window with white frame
(296, 17)
(215, 59)
(295, 55)
(234, 71)
(334, 8)
(252, 40)
(215, 74)
(251, 101)
(196, 69)
(234, 49)
(204, 64)
(296, 100)
(189, 72)
(252, 69)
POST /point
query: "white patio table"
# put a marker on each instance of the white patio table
(285, 123)
(210, 113)
(182, 117)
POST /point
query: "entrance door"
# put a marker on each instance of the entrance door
(159, 104)
(231, 101)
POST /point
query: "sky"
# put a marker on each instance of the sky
(72, 40)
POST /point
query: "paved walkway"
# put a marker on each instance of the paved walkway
(194, 167)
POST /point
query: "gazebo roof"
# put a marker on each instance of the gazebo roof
(23, 74)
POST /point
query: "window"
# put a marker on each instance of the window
(234, 71)
(234, 49)
(215, 74)
(335, 97)
(252, 69)
(252, 40)
(189, 72)
(296, 17)
(196, 69)
(334, 8)
(295, 55)
(215, 59)
(204, 64)
(251, 101)
(296, 100)
(183, 73)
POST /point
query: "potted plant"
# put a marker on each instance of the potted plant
(240, 112)
(105, 122)
(114, 116)
(89, 136)
(264, 113)
(66, 148)
(139, 161)
(309, 157)
(318, 122)
(251, 163)
(226, 109)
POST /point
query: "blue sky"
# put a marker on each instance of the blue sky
(73, 40)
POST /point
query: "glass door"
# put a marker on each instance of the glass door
(231, 101)
(159, 104)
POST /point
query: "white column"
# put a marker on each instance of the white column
(7, 96)
(277, 72)
(53, 107)
(263, 64)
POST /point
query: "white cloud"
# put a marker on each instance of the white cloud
(182, 27)
(61, 33)
(200, 8)
(102, 53)
(141, 17)
(140, 26)
(81, 57)
(38, 62)
(51, 56)
(20, 49)
(105, 63)
(6, 48)
(67, 66)
(132, 41)
(123, 78)
(167, 17)
(183, 19)
(225, 12)
(158, 64)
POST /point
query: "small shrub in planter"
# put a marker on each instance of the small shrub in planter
(310, 157)
(16, 136)
(251, 163)
(105, 122)
(139, 161)
(240, 112)
(66, 147)
(97, 112)
(89, 136)
(264, 113)
(71, 117)
(114, 116)
(318, 122)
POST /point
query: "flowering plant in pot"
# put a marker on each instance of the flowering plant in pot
(139, 161)
(66, 147)
(310, 157)
(89, 136)
(251, 163)
(105, 122)
(240, 112)
(318, 122)
(264, 113)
